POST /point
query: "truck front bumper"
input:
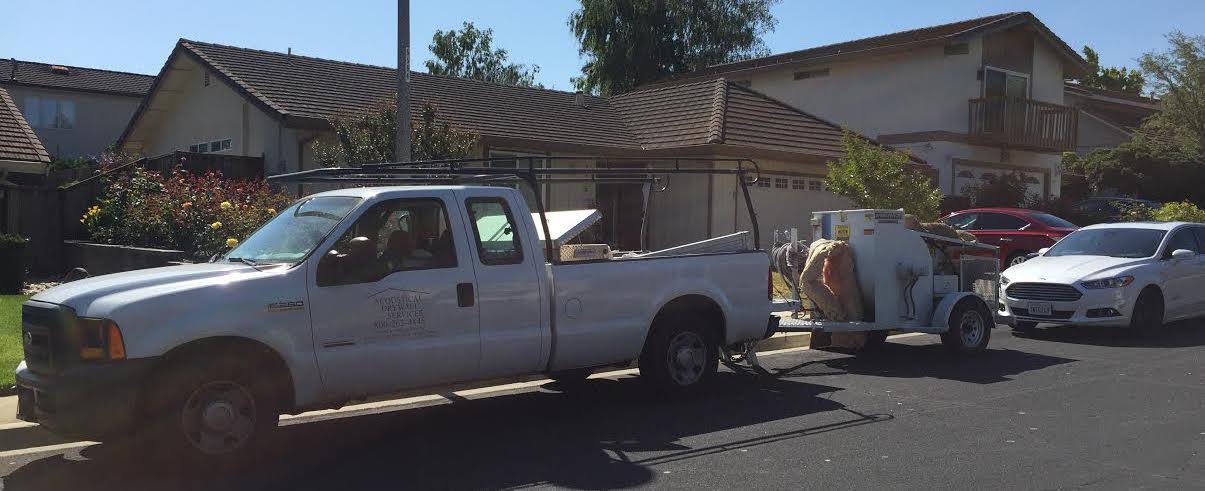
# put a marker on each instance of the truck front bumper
(91, 401)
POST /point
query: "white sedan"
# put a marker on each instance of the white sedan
(1136, 275)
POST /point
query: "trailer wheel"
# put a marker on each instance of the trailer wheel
(970, 327)
(681, 354)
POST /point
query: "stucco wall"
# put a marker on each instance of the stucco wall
(1047, 76)
(918, 90)
(99, 120)
(1093, 134)
(193, 112)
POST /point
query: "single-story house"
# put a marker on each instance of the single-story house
(22, 157)
(236, 101)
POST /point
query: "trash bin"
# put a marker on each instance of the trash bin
(12, 264)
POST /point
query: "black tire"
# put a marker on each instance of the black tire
(213, 413)
(970, 327)
(681, 354)
(1024, 326)
(1015, 258)
(1148, 312)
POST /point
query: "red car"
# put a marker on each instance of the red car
(1017, 232)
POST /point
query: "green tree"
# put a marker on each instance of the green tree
(1178, 79)
(876, 177)
(1152, 165)
(470, 53)
(368, 137)
(1121, 79)
(630, 42)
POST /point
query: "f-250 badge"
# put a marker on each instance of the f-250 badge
(286, 305)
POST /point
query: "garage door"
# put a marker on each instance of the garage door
(786, 201)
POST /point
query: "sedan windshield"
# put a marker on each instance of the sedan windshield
(292, 234)
(1051, 220)
(1112, 242)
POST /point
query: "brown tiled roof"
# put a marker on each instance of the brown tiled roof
(310, 91)
(17, 141)
(32, 73)
(317, 89)
(891, 42)
(721, 112)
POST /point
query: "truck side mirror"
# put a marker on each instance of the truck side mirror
(1182, 254)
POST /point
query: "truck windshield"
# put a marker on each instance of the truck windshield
(1112, 242)
(292, 234)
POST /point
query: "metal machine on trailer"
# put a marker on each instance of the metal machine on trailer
(910, 281)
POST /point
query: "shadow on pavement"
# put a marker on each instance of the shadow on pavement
(930, 361)
(585, 439)
(1183, 334)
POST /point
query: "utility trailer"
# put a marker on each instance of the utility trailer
(908, 282)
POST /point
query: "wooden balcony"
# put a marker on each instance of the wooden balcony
(1023, 124)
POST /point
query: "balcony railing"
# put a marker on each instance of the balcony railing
(1023, 123)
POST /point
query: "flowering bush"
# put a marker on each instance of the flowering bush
(201, 214)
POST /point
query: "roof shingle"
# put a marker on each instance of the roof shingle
(37, 74)
(17, 141)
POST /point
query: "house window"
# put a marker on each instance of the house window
(206, 79)
(210, 146)
(815, 185)
(822, 72)
(799, 184)
(780, 182)
(763, 182)
(1005, 83)
(957, 49)
(47, 112)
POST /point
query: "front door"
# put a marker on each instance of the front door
(384, 300)
(509, 291)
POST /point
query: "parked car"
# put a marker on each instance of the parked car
(1123, 274)
(1017, 232)
(359, 292)
(1106, 210)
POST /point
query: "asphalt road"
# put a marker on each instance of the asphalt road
(1061, 408)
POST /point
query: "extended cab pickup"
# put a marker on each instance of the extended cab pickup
(360, 292)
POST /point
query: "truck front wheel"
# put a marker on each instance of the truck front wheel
(681, 354)
(216, 413)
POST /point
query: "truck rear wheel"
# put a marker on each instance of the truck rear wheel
(681, 354)
(215, 413)
(970, 327)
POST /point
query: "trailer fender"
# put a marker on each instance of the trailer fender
(941, 313)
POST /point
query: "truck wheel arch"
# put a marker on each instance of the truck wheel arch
(693, 302)
(242, 346)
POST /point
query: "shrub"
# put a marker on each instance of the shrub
(875, 177)
(1183, 211)
(1006, 190)
(196, 213)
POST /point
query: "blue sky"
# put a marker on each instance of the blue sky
(137, 36)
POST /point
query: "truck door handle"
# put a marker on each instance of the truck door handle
(464, 294)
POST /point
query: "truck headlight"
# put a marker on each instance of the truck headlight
(99, 339)
(1115, 282)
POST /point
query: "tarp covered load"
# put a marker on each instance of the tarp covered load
(828, 280)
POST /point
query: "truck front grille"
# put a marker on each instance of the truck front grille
(1048, 292)
(41, 326)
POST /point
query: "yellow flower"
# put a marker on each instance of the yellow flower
(226, 205)
(215, 225)
(231, 242)
(271, 211)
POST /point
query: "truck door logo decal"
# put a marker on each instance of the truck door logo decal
(401, 314)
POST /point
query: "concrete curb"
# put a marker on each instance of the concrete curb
(15, 435)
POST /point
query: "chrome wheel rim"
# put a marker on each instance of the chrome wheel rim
(686, 357)
(970, 328)
(218, 417)
(1016, 260)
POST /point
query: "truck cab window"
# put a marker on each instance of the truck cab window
(392, 236)
(494, 228)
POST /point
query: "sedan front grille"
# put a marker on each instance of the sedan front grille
(1048, 292)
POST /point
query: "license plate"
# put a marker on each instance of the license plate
(1039, 308)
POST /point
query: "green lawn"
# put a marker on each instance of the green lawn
(10, 337)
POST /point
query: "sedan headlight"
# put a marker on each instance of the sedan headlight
(1115, 282)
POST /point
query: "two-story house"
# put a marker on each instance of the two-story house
(75, 111)
(974, 98)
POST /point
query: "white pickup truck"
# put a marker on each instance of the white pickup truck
(360, 292)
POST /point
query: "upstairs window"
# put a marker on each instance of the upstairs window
(806, 74)
(48, 112)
